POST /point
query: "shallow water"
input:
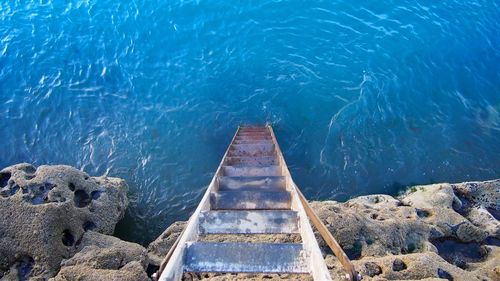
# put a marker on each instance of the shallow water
(365, 97)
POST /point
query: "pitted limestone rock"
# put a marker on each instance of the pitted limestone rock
(46, 210)
(103, 257)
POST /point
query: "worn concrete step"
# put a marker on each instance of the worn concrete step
(248, 222)
(252, 160)
(245, 258)
(249, 171)
(252, 183)
(250, 200)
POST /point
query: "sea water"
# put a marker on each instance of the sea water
(364, 96)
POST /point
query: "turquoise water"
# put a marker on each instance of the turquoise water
(365, 96)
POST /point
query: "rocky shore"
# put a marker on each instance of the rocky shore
(57, 221)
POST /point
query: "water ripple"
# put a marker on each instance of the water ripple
(365, 98)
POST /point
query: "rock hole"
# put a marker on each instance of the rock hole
(372, 269)
(88, 225)
(354, 252)
(9, 190)
(67, 238)
(398, 265)
(4, 178)
(402, 204)
(410, 248)
(374, 216)
(464, 208)
(95, 194)
(24, 267)
(152, 269)
(81, 198)
(14, 189)
(71, 186)
(40, 193)
(444, 274)
(421, 213)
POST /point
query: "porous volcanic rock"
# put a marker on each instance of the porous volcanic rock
(45, 212)
(103, 257)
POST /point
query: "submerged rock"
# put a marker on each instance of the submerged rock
(44, 216)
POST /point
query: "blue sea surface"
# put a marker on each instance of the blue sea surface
(364, 96)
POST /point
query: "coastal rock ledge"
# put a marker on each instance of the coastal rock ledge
(50, 213)
(57, 221)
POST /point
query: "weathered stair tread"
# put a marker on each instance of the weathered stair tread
(250, 200)
(251, 183)
(250, 141)
(251, 153)
(245, 258)
(250, 137)
(256, 132)
(252, 161)
(252, 149)
(253, 129)
(248, 222)
(249, 171)
(253, 133)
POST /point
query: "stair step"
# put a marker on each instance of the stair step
(252, 149)
(254, 134)
(245, 258)
(252, 183)
(252, 141)
(253, 137)
(248, 222)
(253, 161)
(261, 128)
(250, 200)
(249, 171)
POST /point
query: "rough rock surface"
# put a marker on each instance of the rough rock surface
(158, 248)
(103, 257)
(46, 211)
(433, 232)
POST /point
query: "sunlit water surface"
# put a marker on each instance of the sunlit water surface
(365, 96)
